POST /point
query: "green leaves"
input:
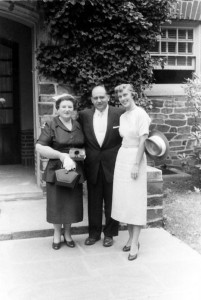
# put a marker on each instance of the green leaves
(101, 42)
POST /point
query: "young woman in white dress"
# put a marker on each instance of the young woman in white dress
(130, 176)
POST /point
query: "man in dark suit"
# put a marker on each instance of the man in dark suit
(102, 142)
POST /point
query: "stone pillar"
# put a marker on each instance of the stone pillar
(154, 197)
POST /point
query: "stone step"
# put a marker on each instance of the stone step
(27, 219)
(21, 196)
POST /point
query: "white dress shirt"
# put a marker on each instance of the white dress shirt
(100, 124)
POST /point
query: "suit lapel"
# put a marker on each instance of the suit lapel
(109, 125)
(91, 126)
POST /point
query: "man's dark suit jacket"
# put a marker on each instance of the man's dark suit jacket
(106, 154)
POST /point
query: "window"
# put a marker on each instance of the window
(176, 47)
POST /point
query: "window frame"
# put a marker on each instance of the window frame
(177, 55)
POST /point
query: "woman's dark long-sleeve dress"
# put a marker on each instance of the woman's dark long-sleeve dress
(64, 205)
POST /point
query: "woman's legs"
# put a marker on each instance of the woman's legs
(57, 233)
(67, 232)
(130, 232)
(135, 243)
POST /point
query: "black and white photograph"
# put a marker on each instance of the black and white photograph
(100, 149)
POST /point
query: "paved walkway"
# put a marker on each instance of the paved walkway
(166, 269)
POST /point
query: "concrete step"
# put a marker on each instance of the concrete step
(21, 196)
(23, 219)
(27, 219)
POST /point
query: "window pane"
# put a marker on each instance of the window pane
(5, 52)
(9, 99)
(5, 84)
(171, 47)
(190, 34)
(172, 33)
(6, 116)
(5, 68)
(163, 47)
(181, 61)
(171, 61)
(189, 61)
(190, 48)
(182, 48)
(182, 34)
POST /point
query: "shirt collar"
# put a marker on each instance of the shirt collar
(60, 124)
(101, 113)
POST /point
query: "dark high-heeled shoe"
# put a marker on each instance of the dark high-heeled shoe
(70, 244)
(128, 248)
(56, 246)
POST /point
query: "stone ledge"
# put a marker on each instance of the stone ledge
(153, 174)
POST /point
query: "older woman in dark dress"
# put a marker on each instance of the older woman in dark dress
(64, 205)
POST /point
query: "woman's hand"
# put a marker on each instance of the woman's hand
(68, 163)
(63, 156)
(135, 171)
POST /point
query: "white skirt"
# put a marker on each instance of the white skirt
(129, 204)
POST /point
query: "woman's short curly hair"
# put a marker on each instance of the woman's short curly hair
(128, 86)
(68, 98)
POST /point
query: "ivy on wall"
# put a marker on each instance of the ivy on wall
(101, 42)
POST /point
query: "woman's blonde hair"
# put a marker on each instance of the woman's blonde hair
(125, 86)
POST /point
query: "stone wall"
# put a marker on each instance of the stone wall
(154, 197)
(171, 116)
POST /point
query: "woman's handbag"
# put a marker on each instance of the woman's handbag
(67, 178)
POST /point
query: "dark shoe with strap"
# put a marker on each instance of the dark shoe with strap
(70, 244)
(108, 241)
(56, 246)
(126, 248)
(91, 241)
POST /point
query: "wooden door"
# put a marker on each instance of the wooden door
(9, 104)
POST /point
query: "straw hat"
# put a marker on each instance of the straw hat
(157, 145)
